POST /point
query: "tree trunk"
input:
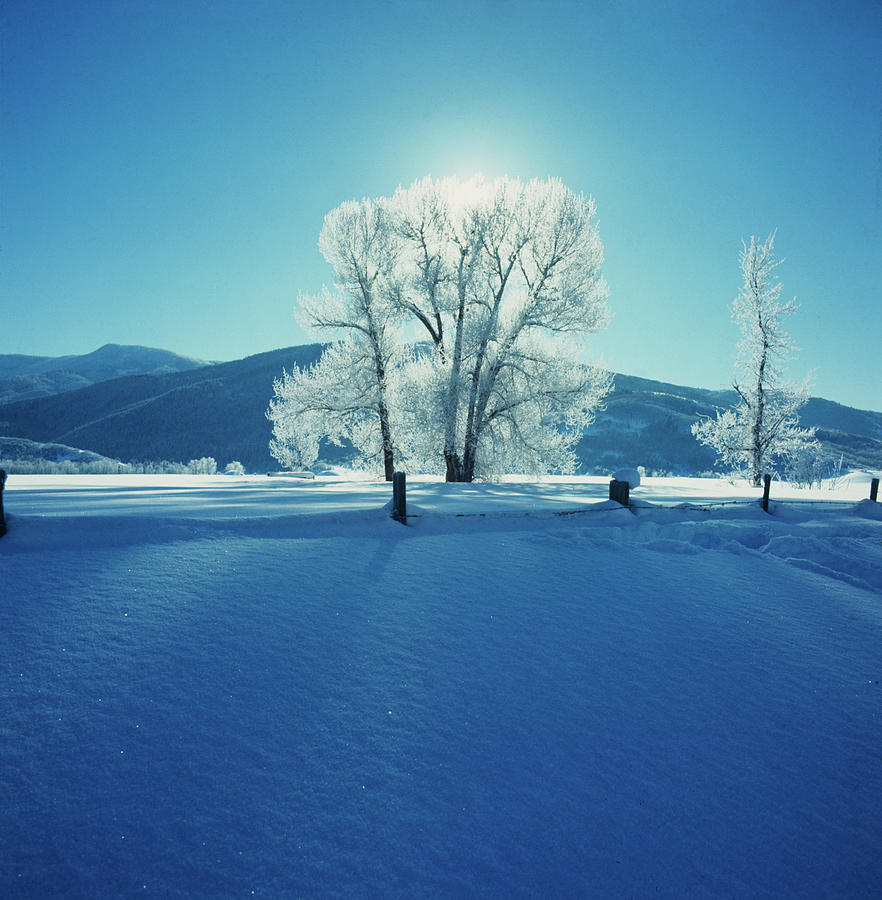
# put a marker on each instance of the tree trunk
(469, 459)
(388, 464)
(453, 461)
(386, 432)
(382, 408)
(759, 413)
(453, 466)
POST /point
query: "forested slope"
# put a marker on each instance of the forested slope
(214, 411)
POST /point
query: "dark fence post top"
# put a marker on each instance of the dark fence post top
(399, 497)
(620, 491)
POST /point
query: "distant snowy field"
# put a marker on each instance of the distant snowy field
(235, 687)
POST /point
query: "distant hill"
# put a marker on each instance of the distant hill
(214, 410)
(22, 449)
(45, 384)
(648, 423)
(218, 410)
(30, 377)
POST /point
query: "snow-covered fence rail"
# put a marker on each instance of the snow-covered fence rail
(510, 499)
(767, 483)
(2, 516)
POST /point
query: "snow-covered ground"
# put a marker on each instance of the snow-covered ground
(217, 686)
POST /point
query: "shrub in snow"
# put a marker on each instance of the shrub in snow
(157, 467)
(234, 468)
(809, 465)
(64, 467)
(632, 476)
(205, 465)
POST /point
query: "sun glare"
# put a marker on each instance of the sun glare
(470, 190)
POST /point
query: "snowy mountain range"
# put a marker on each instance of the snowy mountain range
(137, 403)
(30, 377)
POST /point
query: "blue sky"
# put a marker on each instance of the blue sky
(166, 166)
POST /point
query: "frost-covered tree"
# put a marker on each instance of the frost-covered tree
(503, 277)
(494, 285)
(205, 465)
(358, 241)
(763, 428)
(336, 399)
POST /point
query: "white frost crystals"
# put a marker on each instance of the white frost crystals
(460, 313)
(763, 428)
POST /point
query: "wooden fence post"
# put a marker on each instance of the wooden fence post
(767, 482)
(874, 490)
(399, 497)
(618, 491)
(2, 516)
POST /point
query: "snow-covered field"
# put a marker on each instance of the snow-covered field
(235, 687)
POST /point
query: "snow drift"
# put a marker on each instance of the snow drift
(236, 687)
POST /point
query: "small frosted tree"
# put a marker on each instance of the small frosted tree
(763, 428)
(358, 241)
(205, 465)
